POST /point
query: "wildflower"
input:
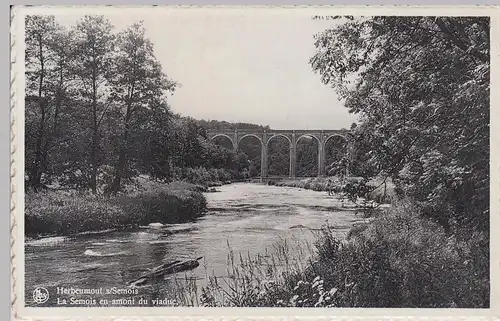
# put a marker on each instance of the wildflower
(332, 291)
(318, 283)
(320, 300)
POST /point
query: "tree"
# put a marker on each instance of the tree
(421, 87)
(137, 83)
(48, 52)
(93, 61)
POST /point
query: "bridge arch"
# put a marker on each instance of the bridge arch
(252, 146)
(222, 135)
(306, 156)
(334, 152)
(277, 154)
(335, 135)
(309, 135)
(249, 135)
(278, 135)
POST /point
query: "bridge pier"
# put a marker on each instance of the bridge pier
(263, 157)
(235, 140)
(293, 156)
(320, 147)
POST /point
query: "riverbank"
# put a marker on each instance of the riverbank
(381, 192)
(206, 178)
(400, 259)
(69, 212)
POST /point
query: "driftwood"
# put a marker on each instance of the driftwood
(166, 269)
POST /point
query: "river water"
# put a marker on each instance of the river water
(245, 218)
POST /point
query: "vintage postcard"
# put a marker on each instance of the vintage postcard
(278, 161)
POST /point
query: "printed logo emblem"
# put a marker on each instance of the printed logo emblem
(40, 295)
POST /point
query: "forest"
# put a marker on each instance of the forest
(97, 113)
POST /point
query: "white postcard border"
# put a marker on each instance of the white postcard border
(170, 313)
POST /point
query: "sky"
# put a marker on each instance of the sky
(251, 68)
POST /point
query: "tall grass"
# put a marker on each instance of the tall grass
(62, 213)
(399, 260)
(257, 281)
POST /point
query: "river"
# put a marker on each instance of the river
(247, 218)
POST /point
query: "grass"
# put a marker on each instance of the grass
(255, 281)
(63, 213)
(399, 260)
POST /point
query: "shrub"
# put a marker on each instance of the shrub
(403, 260)
(205, 177)
(59, 213)
(172, 203)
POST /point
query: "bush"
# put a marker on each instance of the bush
(61, 213)
(58, 213)
(403, 260)
(205, 177)
(173, 203)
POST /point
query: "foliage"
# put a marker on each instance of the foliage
(402, 260)
(97, 114)
(47, 91)
(63, 213)
(59, 213)
(421, 88)
(353, 190)
(203, 176)
(163, 204)
(138, 87)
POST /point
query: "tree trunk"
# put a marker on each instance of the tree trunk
(95, 135)
(36, 173)
(122, 157)
(55, 125)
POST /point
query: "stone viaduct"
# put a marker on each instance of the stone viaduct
(293, 136)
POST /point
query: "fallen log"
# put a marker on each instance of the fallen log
(166, 269)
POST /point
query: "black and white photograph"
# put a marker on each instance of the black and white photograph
(224, 157)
